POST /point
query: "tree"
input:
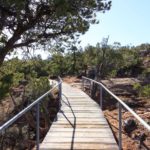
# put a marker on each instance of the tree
(31, 22)
(72, 50)
(90, 54)
(101, 53)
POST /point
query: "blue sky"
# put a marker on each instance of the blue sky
(128, 22)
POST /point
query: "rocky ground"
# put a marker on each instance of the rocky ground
(123, 88)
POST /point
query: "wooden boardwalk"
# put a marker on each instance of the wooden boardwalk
(80, 125)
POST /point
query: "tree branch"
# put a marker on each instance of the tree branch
(24, 43)
(7, 10)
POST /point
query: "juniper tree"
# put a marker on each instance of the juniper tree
(28, 22)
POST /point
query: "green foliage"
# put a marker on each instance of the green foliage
(142, 90)
(16, 70)
(57, 64)
(136, 86)
(9, 76)
(112, 73)
(109, 61)
(145, 74)
(35, 23)
(5, 84)
(130, 56)
(90, 55)
(145, 91)
(36, 88)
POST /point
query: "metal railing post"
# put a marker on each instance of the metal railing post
(91, 88)
(120, 126)
(37, 125)
(101, 97)
(60, 94)
(82, 84)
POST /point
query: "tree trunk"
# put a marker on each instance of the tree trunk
(46, 116)
(94, 89)
(3, 53)
(74, 62)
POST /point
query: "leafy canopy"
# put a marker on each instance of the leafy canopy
(30, 22)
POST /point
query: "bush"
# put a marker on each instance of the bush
(5, 84)
(136, 86)
(145, 74)
(37, 87)
(142, 90)
(145, 91)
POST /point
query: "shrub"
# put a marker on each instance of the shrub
(145, 91)
(37, 87)
(5, 84)
(142, 90)
(136, 86)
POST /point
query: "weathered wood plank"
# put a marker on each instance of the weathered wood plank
(84, 120)
(81, 126)
(80, 140)
(79, 146)
(98, 130)
(79, 134)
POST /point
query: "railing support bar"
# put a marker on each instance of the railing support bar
(91, 88)
(120, 126)
(101, 97)
(37, 125)
(82, 84)
(60, 95)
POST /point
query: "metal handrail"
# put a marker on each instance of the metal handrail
(121, 103)
(35, 103)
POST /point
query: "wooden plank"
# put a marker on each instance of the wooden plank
(79, 134)
(98, 130)
(81, 123)
(80, 111)
(79, 103)
(79, 146)
(83, 120)
(81, 126)
(80, 108)
(65, 139)
(80, 115)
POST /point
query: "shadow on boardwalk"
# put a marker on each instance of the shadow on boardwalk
(72, 124)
